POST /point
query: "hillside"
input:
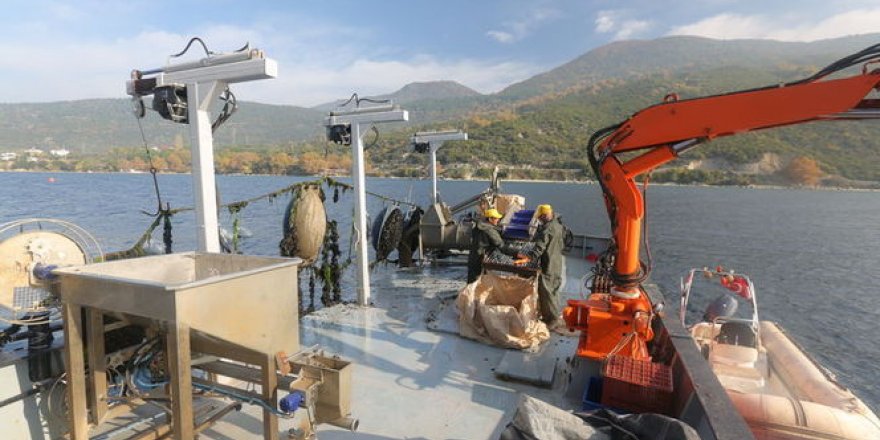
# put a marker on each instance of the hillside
(539, 127)
(551, 133)
(416, 91)
(432, 90)
(625, 59)
(431, 101)
(93, 126)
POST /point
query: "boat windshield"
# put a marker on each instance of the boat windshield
(717, 295)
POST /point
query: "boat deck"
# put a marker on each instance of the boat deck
(409, 381)
(413, 375)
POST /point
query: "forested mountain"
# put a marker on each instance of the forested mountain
(624, 59)
(539, 126)
(97, 125)
(552, 133)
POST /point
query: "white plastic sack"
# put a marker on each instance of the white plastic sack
(535, 419)
(501, 310)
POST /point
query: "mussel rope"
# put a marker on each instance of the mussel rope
(166, 234)
(137, 249)
(236, 232)
(333, 182)
(311, 290)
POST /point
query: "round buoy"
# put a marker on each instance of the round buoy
(305, 223)
(51, 180)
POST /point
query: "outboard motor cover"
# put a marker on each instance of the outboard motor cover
(723, 307)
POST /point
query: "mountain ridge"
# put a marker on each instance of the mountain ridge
(541, 122)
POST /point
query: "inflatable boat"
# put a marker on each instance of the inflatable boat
(780, 391)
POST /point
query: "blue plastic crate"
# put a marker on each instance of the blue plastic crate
(516, 234)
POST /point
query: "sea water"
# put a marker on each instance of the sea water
(813, 255)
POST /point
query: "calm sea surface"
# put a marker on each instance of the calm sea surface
(813, 255)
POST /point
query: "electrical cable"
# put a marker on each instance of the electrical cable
(375, 140)
(242, 398)
(25, 322)
(627, 280)
(230, 106)
(645, 239)
(597, 137)
(53, 413)
(866, 54)
(191, 41)
(357, 100)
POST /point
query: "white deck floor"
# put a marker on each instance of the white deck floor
(410, 382)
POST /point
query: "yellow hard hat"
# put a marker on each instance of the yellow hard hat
(492, 213)
(545, 210)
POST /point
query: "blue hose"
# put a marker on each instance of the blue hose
(247, 399)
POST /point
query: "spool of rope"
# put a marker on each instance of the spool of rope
(387, 230)
(305, 223)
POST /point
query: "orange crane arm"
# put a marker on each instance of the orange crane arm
(666, 130)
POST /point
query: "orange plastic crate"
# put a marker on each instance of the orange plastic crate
(637, 385)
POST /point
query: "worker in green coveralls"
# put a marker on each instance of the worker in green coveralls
(549, 241)
(485, 238)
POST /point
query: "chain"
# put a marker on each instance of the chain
(153, 169)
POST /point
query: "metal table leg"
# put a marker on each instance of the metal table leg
(97, 365)
(177, 346)
(76, 370)
(270, 393)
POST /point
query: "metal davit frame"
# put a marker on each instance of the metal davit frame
(203, 81)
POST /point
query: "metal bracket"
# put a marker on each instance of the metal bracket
(435, 140)
(353, 120)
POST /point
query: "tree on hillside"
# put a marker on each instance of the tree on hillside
(278, 162)
(803, 170)
(177, 160)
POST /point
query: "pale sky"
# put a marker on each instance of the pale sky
(55, 50)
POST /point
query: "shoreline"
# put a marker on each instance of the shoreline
(537, 181)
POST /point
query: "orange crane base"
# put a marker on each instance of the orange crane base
(611, 325)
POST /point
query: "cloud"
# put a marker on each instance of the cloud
(794, 28)
(618, 22)
(312, 85)
(631, 28)
(47, 68)
(501, 36)
(727, 26)
(604, 21)
(513, 31)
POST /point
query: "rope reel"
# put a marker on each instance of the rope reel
(386, 231)
(29, 250)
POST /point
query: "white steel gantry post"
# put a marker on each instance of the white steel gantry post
(435, 140)
(204, 80)
(354, 119)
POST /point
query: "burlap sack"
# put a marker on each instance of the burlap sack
(501, 310)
